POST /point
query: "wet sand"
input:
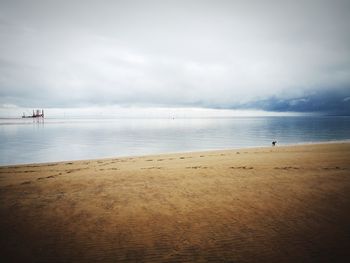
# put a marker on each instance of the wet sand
(281, 204)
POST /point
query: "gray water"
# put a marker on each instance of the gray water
(28, 141)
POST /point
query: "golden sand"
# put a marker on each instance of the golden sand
(281, 204)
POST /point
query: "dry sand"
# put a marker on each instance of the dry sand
(282, 204)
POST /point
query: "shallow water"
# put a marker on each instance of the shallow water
(28, 140)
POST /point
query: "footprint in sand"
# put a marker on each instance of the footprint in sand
(75, 170)
(193, 167)
(241, 167)
(47, 177)
(334, 168)
(286, 168)
(196, 167)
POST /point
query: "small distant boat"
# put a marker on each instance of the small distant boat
(36, 114)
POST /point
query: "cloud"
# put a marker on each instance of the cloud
(326, 101)
(9, 106)
(276, 55)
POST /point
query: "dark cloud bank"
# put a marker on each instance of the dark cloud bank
(327, 102)
(265, 55)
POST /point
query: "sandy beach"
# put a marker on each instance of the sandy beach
(273, 204)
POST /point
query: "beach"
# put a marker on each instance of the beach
(269, 204)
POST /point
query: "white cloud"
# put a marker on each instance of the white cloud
(9, 106)
(171, 53)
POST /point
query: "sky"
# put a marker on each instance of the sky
(276, 56)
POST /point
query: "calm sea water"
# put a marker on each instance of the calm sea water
(29, 141)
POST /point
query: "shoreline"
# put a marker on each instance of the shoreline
(180, 152)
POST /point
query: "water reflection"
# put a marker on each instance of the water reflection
(26, 141)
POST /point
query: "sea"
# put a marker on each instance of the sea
(24, 141)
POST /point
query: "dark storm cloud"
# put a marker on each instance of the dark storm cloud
(327, 101)
(271, 55)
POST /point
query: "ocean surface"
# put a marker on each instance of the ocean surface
(32, 141)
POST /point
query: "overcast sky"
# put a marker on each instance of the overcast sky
(265, 55)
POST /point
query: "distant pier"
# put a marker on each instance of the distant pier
(36, 114)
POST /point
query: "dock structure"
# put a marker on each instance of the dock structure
(36, 114)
